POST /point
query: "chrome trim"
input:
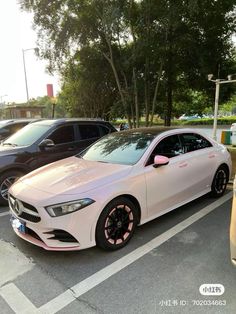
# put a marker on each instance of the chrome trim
(12, 204)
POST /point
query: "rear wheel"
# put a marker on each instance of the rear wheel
(220, 181)
(6, 181)
(116, 224)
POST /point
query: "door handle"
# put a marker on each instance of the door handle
(211, 156)
(183, 164)
(71, 148)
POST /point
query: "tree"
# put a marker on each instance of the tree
(153, 48)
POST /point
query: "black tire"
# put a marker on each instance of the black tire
(219, 182)
(6, 180)
(116, 224)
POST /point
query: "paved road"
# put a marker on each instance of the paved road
(160, 270)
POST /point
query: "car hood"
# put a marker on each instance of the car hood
(8, 150)
(73, 175)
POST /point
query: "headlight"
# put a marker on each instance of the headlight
(69, 207)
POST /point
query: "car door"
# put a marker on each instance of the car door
(88, 134)
(201, 158)
(167, 185)
(65, 145)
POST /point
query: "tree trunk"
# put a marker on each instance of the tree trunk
(170, 69)
(155, 93)
(147, 92)
(136, 98)
(112, 64)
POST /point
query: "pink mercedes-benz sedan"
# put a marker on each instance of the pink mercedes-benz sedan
(125, 179)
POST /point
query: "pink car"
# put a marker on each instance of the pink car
(123, 180)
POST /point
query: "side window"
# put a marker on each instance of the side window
(103, 130)
(62, 135)
(88, 131)
(169, 147)
(193, 141)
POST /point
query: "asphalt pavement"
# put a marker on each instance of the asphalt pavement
(159, 271)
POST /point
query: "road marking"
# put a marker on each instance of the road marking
(13, 263)
(17, 300)
(19, 303)
(4, 214)
(89, 283)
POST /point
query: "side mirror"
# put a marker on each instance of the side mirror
(46, 143)
(160, 161)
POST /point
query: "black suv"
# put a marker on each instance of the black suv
(43, 142)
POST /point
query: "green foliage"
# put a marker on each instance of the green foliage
(137, 58)
(220, 121)
(47, 103)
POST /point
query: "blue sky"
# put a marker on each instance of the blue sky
(16, 34)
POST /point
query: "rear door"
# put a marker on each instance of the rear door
(88, 134)
(202, 159)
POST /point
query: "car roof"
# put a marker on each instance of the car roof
(161, 129)
(149, 130)
(68, 120)
(13, 121)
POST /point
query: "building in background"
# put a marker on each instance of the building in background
(19, 111)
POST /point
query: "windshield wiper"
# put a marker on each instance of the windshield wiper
(10, 144)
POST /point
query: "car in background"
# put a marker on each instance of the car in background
(9, 127)
(233, 228)
(185, 117)
(43, 142)
(126, 178)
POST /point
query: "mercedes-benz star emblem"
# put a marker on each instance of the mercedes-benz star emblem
(17, 207)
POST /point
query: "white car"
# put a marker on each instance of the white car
(123, 180)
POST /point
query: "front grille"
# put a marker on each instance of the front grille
(30, 207)
(29, 217)
(61, 235)
(23, 210)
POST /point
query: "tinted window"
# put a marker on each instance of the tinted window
(119, 148)
(104, 130)
(88, 131)
(169, 147)
(193, 141)
(62, 135)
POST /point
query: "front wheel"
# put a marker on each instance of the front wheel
(219, 182)
(6, 181)
(116, 224)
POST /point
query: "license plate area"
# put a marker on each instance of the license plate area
(18, 224)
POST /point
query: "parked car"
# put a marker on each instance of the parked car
(9, 127)
(233, 228)
(185, 117)
(43, 142)
(124, 179)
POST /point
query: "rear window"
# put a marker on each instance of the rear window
(193, 141)
(88, 131)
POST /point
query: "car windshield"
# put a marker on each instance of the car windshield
(27, 135)
(119, 148)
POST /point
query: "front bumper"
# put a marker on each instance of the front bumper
(69, 232)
